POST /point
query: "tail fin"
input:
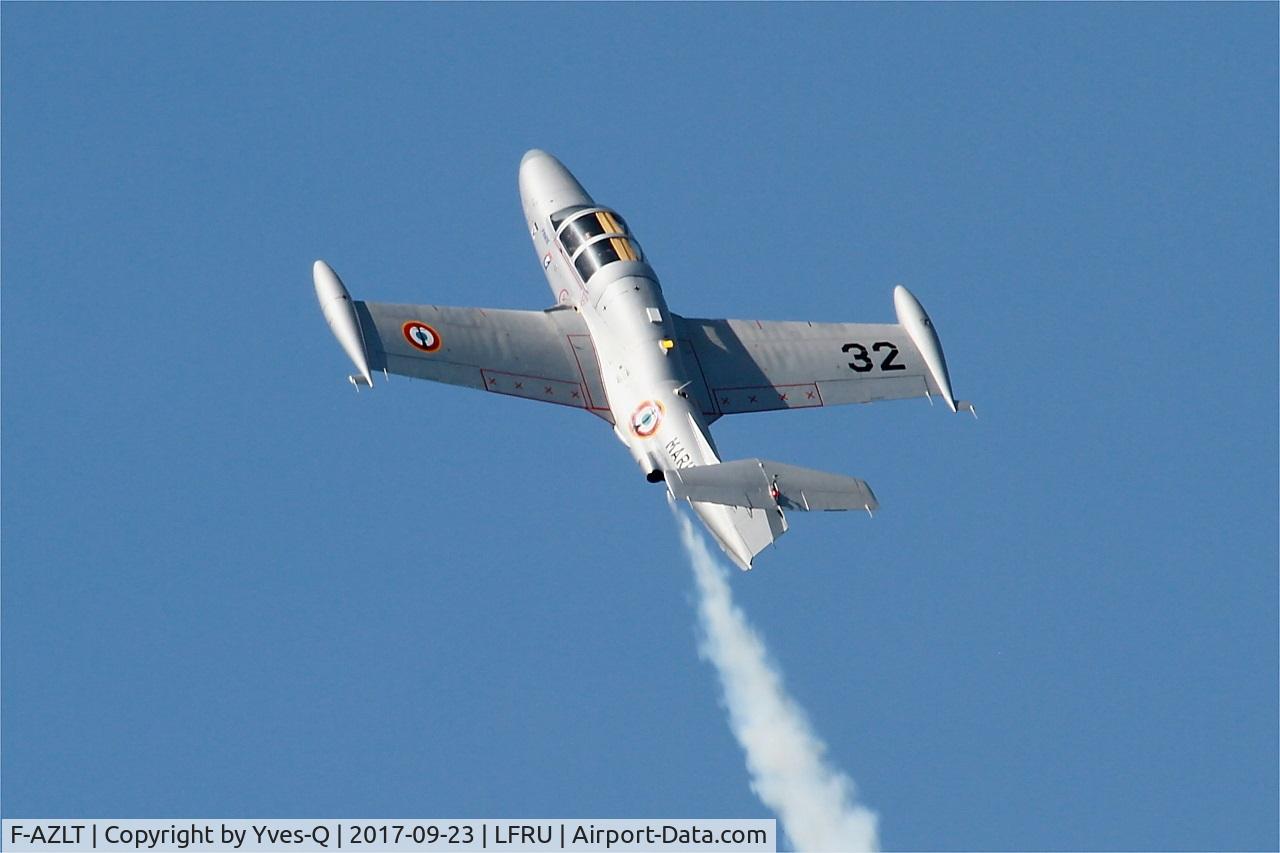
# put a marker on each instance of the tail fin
(761, 484)
(740, 532)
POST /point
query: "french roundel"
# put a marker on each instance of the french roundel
(421, 336)
(646, 418)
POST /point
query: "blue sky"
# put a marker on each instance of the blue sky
(232, 587)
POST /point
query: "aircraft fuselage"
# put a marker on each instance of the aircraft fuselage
(595, 266)
(622, 304)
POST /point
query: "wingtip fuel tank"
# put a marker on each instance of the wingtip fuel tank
(340, 314)
(912, 317)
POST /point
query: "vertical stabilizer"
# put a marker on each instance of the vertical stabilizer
(741, 532)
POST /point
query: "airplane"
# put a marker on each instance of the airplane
(611, 347)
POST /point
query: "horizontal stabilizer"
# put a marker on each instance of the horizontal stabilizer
(760, 484)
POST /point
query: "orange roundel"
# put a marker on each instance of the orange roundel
(421, 336)
(646, 419)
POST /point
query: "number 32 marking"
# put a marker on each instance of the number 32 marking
(862, 358)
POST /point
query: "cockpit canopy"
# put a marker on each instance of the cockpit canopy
(594, 237)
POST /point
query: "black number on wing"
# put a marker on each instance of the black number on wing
(888, 363)
(861, 358)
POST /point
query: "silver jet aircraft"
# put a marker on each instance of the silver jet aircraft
(613, 348)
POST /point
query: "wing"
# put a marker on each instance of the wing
(538, 355)
(757, 366)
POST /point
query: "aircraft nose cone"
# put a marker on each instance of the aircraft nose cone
(547, 186)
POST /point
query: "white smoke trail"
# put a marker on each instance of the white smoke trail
(814, 801)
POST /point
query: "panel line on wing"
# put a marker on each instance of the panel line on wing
(763, 398)
(534, 388)
(575, 342)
